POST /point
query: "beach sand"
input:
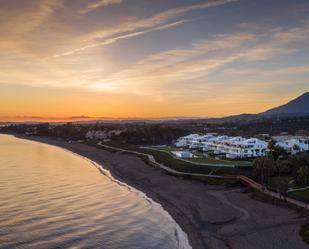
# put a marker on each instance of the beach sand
(213, 217)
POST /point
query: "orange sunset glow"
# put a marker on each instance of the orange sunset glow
(136, 58)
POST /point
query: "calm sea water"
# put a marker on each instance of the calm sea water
(51, 198)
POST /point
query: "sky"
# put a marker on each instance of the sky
(151, 58)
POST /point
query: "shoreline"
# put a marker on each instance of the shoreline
(182, 237)
(212, 216)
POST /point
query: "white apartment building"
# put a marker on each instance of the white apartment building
(225, 145)
(199, 142)
(186, 140)
(293, 144)
(251, 147)
(213, 143)
(231, 147)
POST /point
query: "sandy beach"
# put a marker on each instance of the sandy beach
(213, 217)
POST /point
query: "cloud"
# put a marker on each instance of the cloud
(98, 4)
(157, 71)
(153, 21)
(295, 34)
(174, 24)
(129, 28)
(186, 70)
(17, 25)
(162, 71)
(103, 43)
(121, 37)
(26, 19)
(270, 72)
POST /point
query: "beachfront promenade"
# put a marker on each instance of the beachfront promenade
(261, 188)
(243, 179)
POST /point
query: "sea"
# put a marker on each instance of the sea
(53, 198)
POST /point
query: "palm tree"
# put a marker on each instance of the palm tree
(303, 175)
(263, 168)
(296, 148)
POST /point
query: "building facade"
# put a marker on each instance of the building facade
(231, 147)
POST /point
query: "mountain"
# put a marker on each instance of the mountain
(295, 107)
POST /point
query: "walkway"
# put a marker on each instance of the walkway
(244, 179)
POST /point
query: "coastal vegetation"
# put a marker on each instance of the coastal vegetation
(284, 173)
(165, 132)
(304, 233)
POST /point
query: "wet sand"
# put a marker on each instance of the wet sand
(213, 217)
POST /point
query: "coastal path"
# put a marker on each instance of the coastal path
(243, 179)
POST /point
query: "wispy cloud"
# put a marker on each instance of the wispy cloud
(157, 72)
(112, 40)
(25, 20)
(103, 43)
(192, 68)
(173, 24)
(130, 28)
(155, 20)
(98, 4)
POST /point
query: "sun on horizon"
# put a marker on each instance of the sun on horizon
(150, 59)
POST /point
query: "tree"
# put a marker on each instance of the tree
(263, 168)
(303, 175)
(276, 151)
(283, 167)
(283, 188)
(300, 167)
(44, 129)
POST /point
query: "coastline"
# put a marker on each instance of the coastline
(212, 216)
(182, 238)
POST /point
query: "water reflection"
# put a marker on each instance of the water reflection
(50, 198)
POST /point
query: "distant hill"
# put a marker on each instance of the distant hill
(296, 107)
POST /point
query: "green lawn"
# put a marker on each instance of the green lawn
(211, 160)
(165, 148)
(163, 155)
(186, 166)
(202, 159)
(277, 181)
(219, 161)
(301, 194)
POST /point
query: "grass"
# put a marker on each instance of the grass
(302, 195)
(165, 148)
(277, 182)
(204, 160)
(179, 165)
(304, 233)
(211, 161)
(167, 159)
(183, 166)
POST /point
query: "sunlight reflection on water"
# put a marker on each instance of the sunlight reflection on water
(50, 198)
